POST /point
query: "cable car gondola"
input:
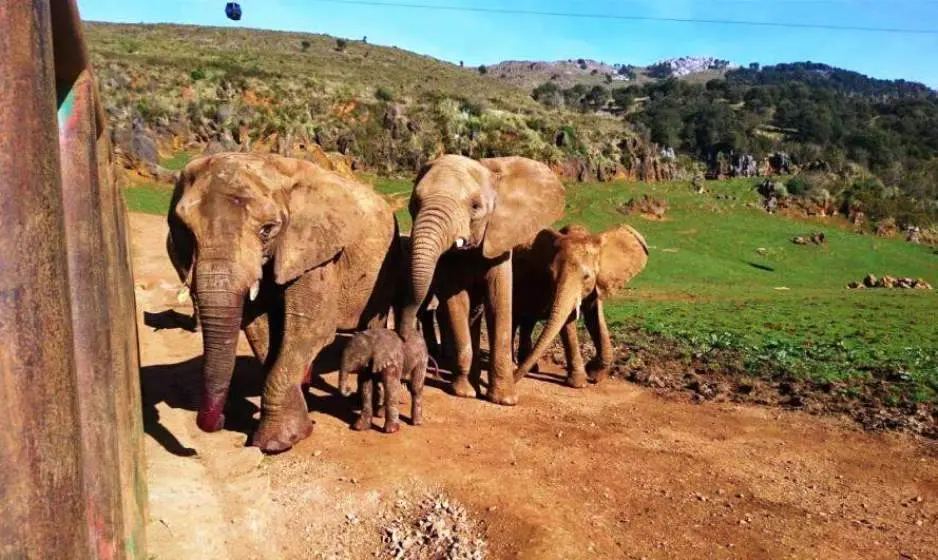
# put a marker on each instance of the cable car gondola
(233, 11)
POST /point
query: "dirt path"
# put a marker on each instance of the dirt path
(608, 472)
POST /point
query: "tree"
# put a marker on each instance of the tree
(305, 45)
(597, 98)
(341, 44)
(622, 99)
(548, 94)
(483, 70)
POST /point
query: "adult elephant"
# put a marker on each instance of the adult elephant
(468, 215)
(561, 273)
(289, 252)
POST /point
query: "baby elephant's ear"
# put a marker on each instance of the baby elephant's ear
(624, 255)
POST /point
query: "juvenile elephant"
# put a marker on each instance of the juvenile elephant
(562, 272)
(289, 252)
(380, 355)
(468, 215)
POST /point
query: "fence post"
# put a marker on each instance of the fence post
(98, 243)
(72, 470)
(41, 482)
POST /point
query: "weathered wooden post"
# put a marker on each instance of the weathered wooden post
(41, 481)
(72, 481)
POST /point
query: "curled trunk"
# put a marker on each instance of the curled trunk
(220, 309)
(566, 301)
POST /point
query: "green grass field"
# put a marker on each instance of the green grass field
(784, 308)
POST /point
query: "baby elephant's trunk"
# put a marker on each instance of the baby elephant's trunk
(345, 387)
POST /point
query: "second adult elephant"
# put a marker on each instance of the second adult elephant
(288, 251)
(564, 272)
(468, 215)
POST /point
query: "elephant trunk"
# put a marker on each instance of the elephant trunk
(344, 386)
(432, 236)
(567, 300)
(220, 309)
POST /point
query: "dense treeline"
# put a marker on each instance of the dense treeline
(826, 118)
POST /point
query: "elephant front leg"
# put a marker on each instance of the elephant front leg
(309, 325)
(457, 313)
(598, 367)
(576, 372)
(366, 387)
(498, 317)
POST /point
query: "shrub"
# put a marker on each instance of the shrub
(197, 74)
(341, 44)
(483, 70)
(305, 45)
(799, 186)
(384, 94)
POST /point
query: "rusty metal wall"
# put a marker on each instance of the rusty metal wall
(72, 480)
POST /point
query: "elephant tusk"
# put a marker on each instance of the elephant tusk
(579, 302)
(255, 289)
(182, 295)
(460, 242)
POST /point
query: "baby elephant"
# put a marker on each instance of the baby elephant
(382, 354)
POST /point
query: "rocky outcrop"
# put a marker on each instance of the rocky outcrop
(890, 282)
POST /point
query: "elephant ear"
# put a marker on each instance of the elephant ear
(180, 243)
(623, 256)
(529, 198)
(325, 213)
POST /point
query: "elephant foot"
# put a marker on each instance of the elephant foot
(462, 388)
(391, 427)
(598, 377)
(597, 371)
(362, 424)
(503, 394)
(289, 426)
(577, 380)
(379, 412)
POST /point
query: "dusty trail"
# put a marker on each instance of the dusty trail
(608, 472)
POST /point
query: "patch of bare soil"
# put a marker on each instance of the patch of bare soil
(613, 471)
(872, 403)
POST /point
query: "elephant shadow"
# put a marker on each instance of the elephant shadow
(179, 386)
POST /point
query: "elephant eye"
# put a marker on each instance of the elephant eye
(267, 230)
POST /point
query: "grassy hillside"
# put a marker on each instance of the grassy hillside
(725, 277)
(382, 108)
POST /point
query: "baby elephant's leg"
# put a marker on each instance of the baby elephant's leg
(366, 386)
(417, 379)
(391, 377)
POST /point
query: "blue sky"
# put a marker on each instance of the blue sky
(480, 38)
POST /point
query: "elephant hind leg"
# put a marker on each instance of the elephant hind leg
(391, 379)
(417, 380)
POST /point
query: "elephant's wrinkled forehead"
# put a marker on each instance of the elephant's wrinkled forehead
(245, 172)
(454, 176)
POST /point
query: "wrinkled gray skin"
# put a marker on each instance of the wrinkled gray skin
(288, 252)
(468, 215)
(381, 355)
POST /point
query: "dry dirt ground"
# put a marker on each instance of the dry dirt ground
(607, 472)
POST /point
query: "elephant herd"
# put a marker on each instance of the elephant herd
(291, 254)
